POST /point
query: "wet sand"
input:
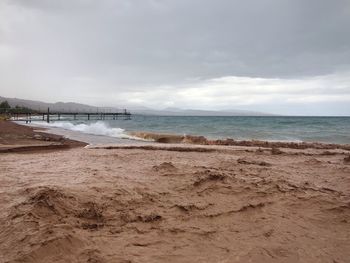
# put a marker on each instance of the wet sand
(175, 203)
(20, 138)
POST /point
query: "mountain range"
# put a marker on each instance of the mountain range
(78, 107)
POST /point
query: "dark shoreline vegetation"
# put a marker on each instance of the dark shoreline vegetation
(5, 108)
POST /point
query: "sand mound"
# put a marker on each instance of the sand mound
(57, 248)
(276, 151)
(165, 167)
(253, 162)
(48, 201)
(92, 256)
(209, 176)
(58, 206)
(194, 140)
(50, 214)
(313, 161)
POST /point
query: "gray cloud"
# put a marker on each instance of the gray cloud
(54, 47)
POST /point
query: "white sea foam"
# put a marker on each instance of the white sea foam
(96, 128)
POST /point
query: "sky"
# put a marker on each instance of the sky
(278, 56)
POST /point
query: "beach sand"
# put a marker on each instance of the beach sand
(21, 138)
(174, 203)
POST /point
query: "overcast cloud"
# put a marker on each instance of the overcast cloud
(279, 56)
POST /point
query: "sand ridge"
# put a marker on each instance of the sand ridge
(201, 140)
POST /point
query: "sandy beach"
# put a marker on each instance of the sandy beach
(174, 131)
(21, 138)
(174, 203)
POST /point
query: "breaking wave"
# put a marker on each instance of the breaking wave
(96, 128)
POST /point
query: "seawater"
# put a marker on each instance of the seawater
(271, 128)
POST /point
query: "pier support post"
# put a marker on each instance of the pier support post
(48, 115)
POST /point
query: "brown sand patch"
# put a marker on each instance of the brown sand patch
(253, 162)
(276, 151)
(20, 138)
(85, 205)
(165, 167)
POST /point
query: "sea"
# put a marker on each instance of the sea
(267, 128)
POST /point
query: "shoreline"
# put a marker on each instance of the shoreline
(23, 138)
(78, 138)
(201, 140)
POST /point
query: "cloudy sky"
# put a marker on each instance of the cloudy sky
(278, 56)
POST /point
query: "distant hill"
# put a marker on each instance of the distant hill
(72, 106)
(58, 106)
(191, 112)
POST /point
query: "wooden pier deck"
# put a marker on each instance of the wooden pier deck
(49, 116)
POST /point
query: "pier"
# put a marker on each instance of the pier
(49, 116)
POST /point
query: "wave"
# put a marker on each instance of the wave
(96, 128)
